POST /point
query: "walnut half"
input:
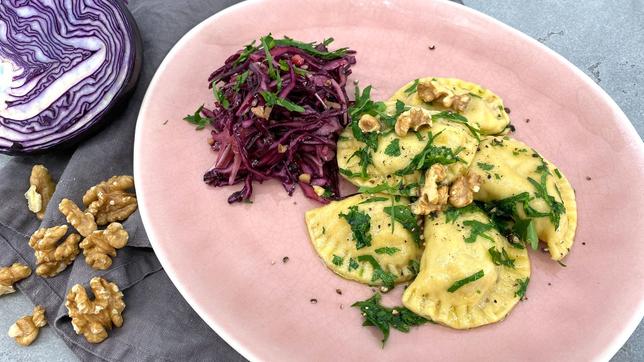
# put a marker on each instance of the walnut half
(433, 90)
(108, 201)
(99, 246)
(41, 189)
(462, 191)
(10, 275)
(412, 119)
(433, 196)
(369, 123)
(51, 257)
(94, 318)
(82, 222)
(26, 329)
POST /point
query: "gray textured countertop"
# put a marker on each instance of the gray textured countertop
(604, 39)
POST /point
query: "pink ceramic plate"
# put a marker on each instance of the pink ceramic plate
(227, 260)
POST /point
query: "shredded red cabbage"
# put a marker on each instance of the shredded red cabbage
(280, 106)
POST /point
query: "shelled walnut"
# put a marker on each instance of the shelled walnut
(108, 201)
(41, 189)
(99, 246)
(94, 318)
(10, 275)
(26, 329)
(83, 222)
(434, 90)
(433, 195)
(51, 257)
(462, 191)
(414, 118)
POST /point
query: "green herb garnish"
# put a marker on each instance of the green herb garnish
(366, 159)
(310, 47)
(501, 258)
(273, 99)
(406, 218)
(526, 231)
(393, 149)
(387, 250)
(353, 264)
(360, 225)
(452, 213)
(477, 229)
(337, 260)
(385, 318)
(388, 279)
(412, 88)
(374, 199)
(241, 79)
(414, 266)
(430, 155)
(248, 50)
(558, 173)
(219, 96)
(522, 287)
(485, 166)
(458, 118)
(197, 119)
(459, 283)
(267, 44)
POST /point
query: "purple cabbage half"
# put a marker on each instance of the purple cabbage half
(64, 63)
(304, 84)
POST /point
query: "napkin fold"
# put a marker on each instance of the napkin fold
(159, 324)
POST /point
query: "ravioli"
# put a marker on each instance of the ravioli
(392, 253)
(386, 167)
(510, 168)
(484, 111)
(459, 284)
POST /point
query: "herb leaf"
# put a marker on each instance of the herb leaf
(219, 95)
(353, 264)
(430, 155)
(384, 318)
(459, 283)
(386, 188)
(337, 260)
(374, 199)
(311, 48)
(477, 229)
(501, 258)
(360, 224)
(452, 213)
(366, 159)
(412, 88)
(268, 43)
(272, 99)
(526, 231)
(458, 118)
(404, 216)
(197, 119)
(387, 250)
(485, 166)
(241, 79)
(393, 149)
(388, 279)
(522, 287)
(248, 50)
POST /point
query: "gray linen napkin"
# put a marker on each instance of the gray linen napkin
(159, 324)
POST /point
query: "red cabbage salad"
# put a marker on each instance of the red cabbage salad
(280, 105)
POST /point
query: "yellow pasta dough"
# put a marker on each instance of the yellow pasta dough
(385, 168)
(510, 168)
(459, 283)
(390, 254)
(484, 111)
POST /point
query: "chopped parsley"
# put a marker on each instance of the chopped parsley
(522, 287)
(558, 173)
(311, 48)
(273, 99)
(267, 44)
(219, 96)
(384, 187)
(364, 105)
(459, 283)
(241, 79)
(526, 231)
(349, 173)
(353, 264)
(393, 149)
(453, 213)
(197, 119)
(556, 208)
(360, 224)
(501, 258)
(430, 155)
(385, 318)
(477, 229)
(406, 218)
(365, 159)
(458, 118)
(374, 199)
(387, 250)
(284, 66)
(248, 50)
(388, 279)
(337, 260)
(412, 88)
(485, 166)
(414, 266)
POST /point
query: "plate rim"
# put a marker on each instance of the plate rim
(612, 346)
